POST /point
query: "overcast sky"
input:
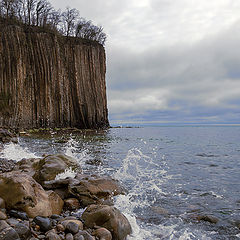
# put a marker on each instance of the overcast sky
(169, 61)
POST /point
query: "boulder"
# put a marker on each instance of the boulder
(108, 217)
(48, 167)
(21, 192)
(95, 190)
(51, 165)
(6, 136)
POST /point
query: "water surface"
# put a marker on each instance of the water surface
(173, 175)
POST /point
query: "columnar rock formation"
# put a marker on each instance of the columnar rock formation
(47, 80)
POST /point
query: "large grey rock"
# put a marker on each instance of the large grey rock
(22, 192)
(108, 217)
(95, 189)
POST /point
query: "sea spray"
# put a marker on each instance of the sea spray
(16, 152)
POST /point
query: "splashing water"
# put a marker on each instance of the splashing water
(16, 152)
(69, 172)
(136, 172)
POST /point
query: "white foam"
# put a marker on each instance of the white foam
(81, 155)
(16, 152)
(67, 173)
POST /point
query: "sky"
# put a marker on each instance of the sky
(169, 61)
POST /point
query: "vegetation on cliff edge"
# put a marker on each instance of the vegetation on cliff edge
(40, 13)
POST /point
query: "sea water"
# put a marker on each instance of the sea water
(173, 175)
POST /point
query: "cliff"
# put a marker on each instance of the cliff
(47, 80)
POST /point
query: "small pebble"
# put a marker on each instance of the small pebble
(60, 228)
(69, 236)
(72, 227)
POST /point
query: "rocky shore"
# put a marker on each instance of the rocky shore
(36, 202)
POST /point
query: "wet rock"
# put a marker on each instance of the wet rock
(79, 237)
(20, 191)
(75, 221)
(12, 222)
(6, 136)
(94, 189)
(108, 217)
(44, 223)
(18, 214)
(83, 235)
(102, 234)
(52, 236)
(207, 218)
(22, 230)
(60, 228)
(71, 204)
(6, 165)
(3, 216)
(9, 234)
(51, 165)
(69, 236)
(72, 227)
(60, 186)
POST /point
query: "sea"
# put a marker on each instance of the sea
(177, 177)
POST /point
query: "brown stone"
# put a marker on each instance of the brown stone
(102, 234)
(108, 217)
(60, 228)
(95, 190)
(65, 222)
(51, 165)
(22, 192)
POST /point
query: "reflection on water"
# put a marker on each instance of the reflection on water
(173, 175)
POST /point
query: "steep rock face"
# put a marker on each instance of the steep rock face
(51, 81)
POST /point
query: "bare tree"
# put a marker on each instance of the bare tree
(30, 8)
(55, 18)
(43, 10)
(69, 19)
(8, 7)
(85, 29)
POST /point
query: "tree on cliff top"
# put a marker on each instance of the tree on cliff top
(41, 13)
(69, 18)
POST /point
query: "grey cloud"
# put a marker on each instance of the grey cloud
(202, 76)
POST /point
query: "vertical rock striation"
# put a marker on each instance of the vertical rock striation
(47, 80)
